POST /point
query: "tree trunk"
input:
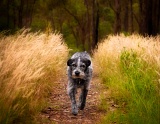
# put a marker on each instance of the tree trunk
(149, 18)
(154, 17)
(126, 16)
(95, 23)
(28, 12)
(88, 24)
(20, 17)
(131, 13)
(142, 17)
(117, 27)
(8, 15)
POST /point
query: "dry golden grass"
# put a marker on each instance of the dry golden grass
(110, 49)
(29, 65)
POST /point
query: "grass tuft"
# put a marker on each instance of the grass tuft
(30, 63)
(129, 67)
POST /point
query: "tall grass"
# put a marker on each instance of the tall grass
(29, 65)
(130, 68)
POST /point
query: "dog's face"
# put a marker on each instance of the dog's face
(78, 67)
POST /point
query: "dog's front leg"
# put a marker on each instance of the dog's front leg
(82, 99)
(73, 102)
(72, 90)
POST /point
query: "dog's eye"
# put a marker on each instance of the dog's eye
(74, 65)
(82, 66)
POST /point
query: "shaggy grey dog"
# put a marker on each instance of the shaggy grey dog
(79, 75)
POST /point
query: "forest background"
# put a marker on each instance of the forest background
(82, 22)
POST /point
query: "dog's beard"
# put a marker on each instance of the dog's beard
(76, 77)
(81, 76)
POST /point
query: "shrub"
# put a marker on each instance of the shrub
(141, 84)
(29, 65)
(129, 67)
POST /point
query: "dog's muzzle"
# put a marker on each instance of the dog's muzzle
(78, 74)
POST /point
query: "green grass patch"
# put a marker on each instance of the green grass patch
(131, 75)
(135, 86)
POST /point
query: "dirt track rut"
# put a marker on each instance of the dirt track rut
(60, 110)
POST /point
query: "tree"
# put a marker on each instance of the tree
(117, 27)
(116, 7)
(82, 22)
(126, 16)
(131, 14)
(18, 13)
(149, 17)
(95, 23)
(87, 21)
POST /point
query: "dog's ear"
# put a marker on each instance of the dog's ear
(87, 62)
(69, 62)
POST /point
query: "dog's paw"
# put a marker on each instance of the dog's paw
(74, 110)
(81, 106)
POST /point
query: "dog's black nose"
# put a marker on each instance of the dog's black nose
(77, 73)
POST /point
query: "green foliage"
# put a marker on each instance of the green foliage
(141, 84)
(106, 21)
(103, 106)
(77, 7)
(38, 23)
(70, 39)
(134, 89)
(104, 28)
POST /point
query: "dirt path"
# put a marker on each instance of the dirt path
(60, 110)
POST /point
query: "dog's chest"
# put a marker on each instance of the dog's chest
(80, 83)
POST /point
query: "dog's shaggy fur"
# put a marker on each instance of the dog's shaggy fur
(79, 75)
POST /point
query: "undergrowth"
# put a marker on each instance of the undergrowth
(129, 68)
(30, 63)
